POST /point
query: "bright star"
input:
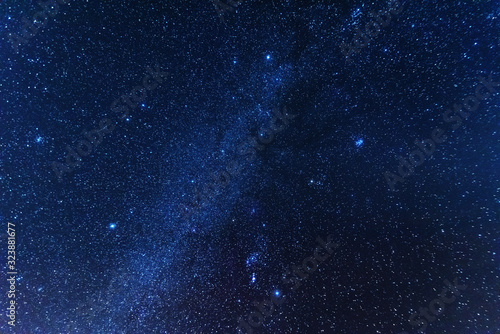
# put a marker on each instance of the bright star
(277, 293)
(359, 142)
(268, 57)
(252, 259)
(112, 226)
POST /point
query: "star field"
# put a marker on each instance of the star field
(223, 166)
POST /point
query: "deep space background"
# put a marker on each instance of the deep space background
(107, 250)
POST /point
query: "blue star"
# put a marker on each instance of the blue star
(39, 139)
(268, 57)
(112, 226)
(359, 142)
(252, 259)
(277, 293)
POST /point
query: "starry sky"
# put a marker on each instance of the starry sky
(169, 165)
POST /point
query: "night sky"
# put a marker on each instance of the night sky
(250, 166)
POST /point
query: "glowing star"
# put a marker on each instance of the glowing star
(268, 57)
(252, 259)
(359, 142)
(277, 293)
(112, 226)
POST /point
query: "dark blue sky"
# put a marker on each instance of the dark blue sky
(137, 237)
